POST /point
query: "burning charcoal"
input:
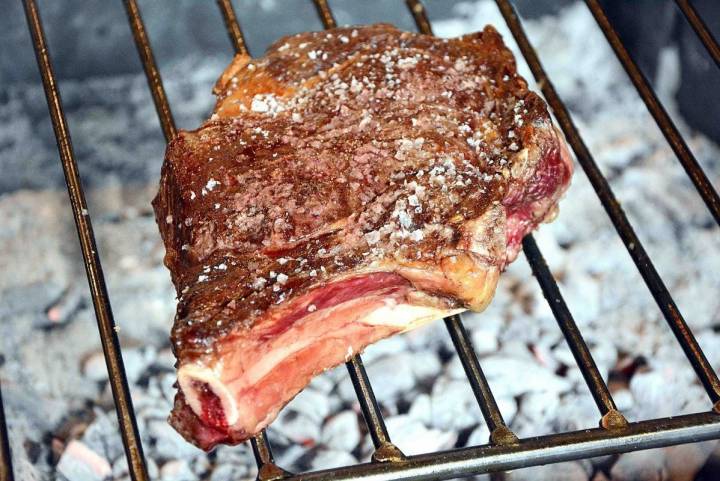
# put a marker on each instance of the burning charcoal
(425, 365)
(525, 426)
(388, 347)
(325, 459)
(479, 436)
(65, 306)
(311, 403)
(80, 463)
(390, 376)
(177, 470)
(640, 466)
(165, 360)
(576, 411)
(201, 465)
(120, 467)
(101, 435)
(137, 360)
(412, 437)
(511, 376)
(485, 341)
(453, 405)
(342, 431)
(290, 455)
(94, 367)
(229, 472)
(571, 471)
(421, 409)
(623, 399)
(663, 393)
(684, 461)
(296, 427)
(323, 383)
(168, 443)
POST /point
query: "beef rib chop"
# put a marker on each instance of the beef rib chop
(350, 185)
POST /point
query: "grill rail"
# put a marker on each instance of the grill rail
(505, 451)
(667, 126)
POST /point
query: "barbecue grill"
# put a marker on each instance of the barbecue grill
(504, 450)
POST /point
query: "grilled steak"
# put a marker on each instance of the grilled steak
(350, 185)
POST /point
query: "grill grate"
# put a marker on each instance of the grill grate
(504, 451)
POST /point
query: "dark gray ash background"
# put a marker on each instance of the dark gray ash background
(51, 367)
(115, 133)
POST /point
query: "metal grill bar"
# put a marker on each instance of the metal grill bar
(668, 128)
(261, 447)
(417, 9)
(267, 469)
(384, 449)
(532, 452)
(162, 106)
(637, 252)
(93, 267)
(442, 465)
(326, 16)
(499, 432)
(611, 417)
(232, 26)
(701, 29)
(6, 470)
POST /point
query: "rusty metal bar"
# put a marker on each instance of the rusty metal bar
(533, 451)
(6, 469)
(637, 252)
(384, 449)
(325, 13)
(702, 31)
(162, 106)
(417, 9)
(611, 417)
(93, 267)
(261, 447)
(656, 109)
(499, 432)
(232, 26)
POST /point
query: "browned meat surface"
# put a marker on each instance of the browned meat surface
(351, 184)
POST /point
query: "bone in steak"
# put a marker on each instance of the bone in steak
(350, 185)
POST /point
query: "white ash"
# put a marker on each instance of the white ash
(55, 383)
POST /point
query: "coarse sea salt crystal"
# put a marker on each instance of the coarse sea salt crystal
(259, 105)
(404, 219)
(282, 278)
(372, 237)
(211, 184)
